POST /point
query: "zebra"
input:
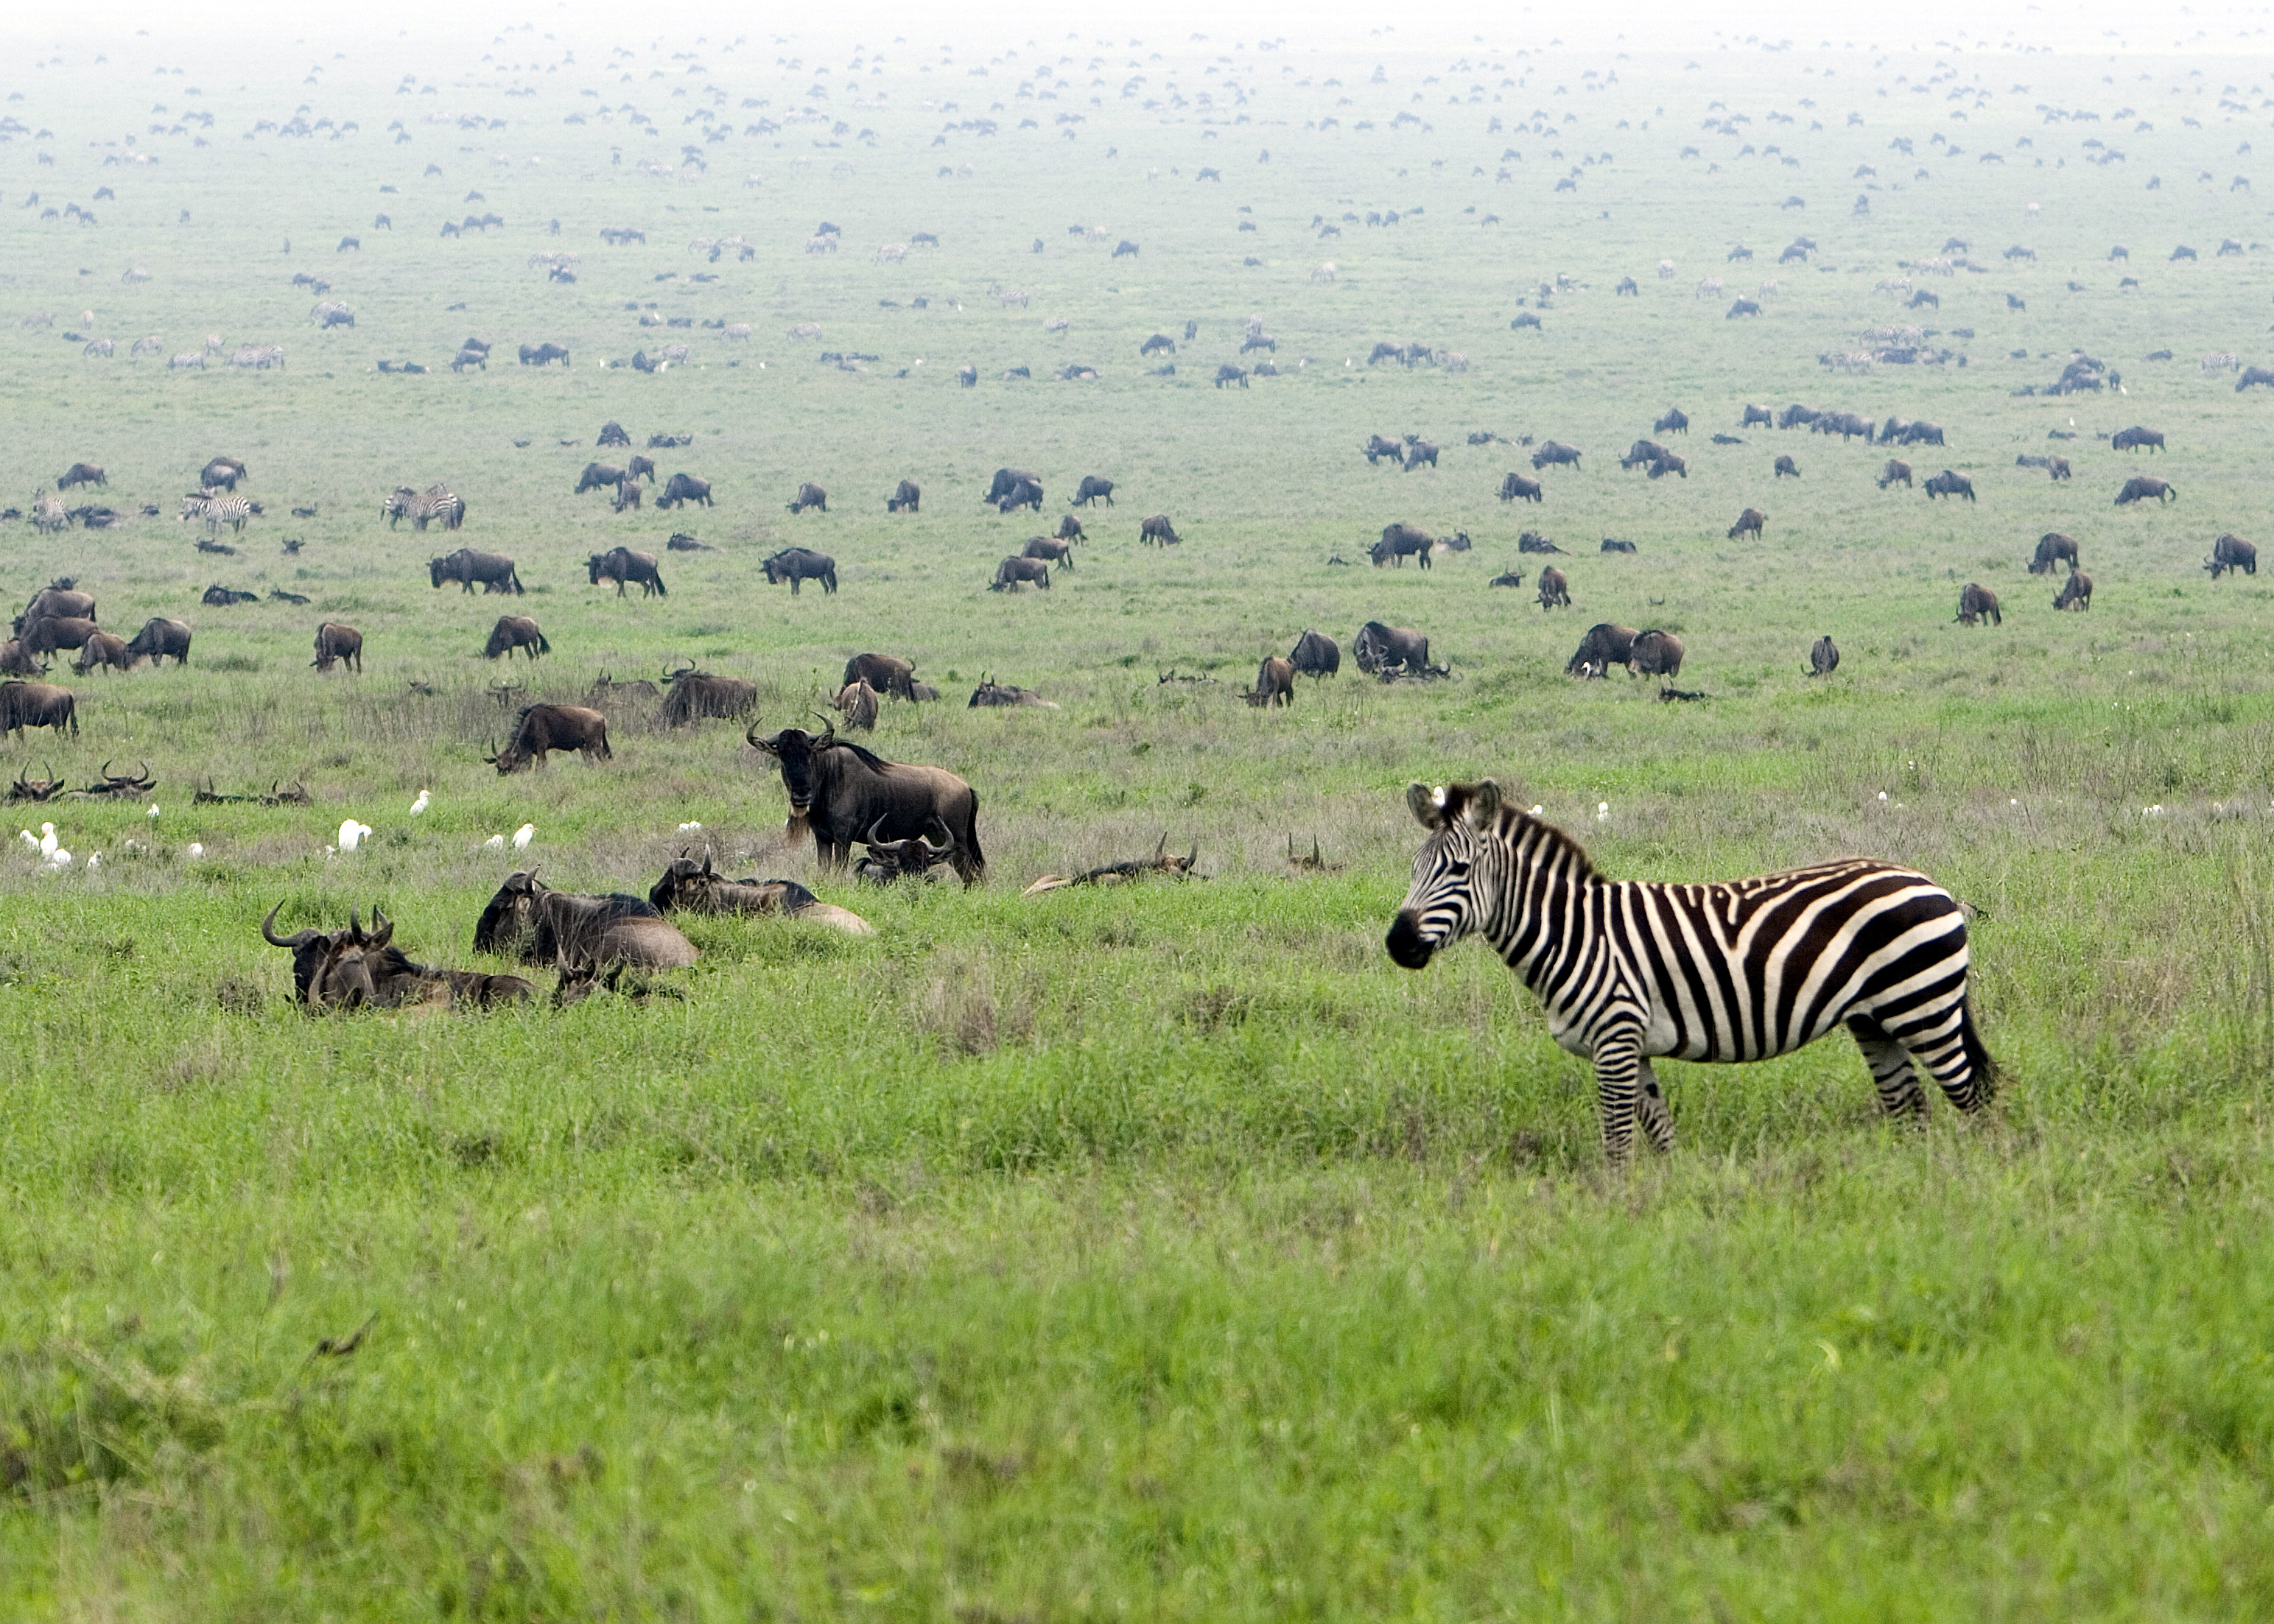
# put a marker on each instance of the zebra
(435, 504)
(1744, 970)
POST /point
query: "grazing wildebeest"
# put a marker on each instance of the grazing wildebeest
(515, 631)
(1675, 422)
(1316, 654)
(81, 473)
(102, 648)
(1418, 451)
(1555, 590)
(37, 704)
(494, 570)
(1397, 542)
(887, 673)
(796, 565)
(1657, 654)
(2053, 547)
(2232, 553)
(858, 704)
(1605, 645)
(1049, 547)
(1824, 657)
(1275, 682)
(1977, 604)
(157, 639)
(1091, 489)
(540, 729)
(1554, 451)
(682, 488)
(808, 495)
(1749, 523)
(1012, 571)
(2134, 438)
(1379, 647)
(1159, 531)
(1642, 453)
(623, 566)
(1516, 486)
(1786, 466)
(537, 925)
(52, 632)
(598, 476)
(1007, 480)
(336, 642)
(2142, 485)
(1948, 483)
(1761, 415)
(2076, 591)
(689, 887)
(905, 499)
(1380, 446)
(845, 793)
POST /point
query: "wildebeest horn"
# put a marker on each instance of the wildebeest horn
(297, 940)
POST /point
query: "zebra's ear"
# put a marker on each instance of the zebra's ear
(1427, 805)
(1479, 803)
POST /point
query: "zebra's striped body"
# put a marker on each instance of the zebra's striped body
(1744, 970)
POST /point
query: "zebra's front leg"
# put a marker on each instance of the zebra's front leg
(1657, 1116)
(1619, 1067)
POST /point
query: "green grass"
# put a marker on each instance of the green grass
(1160, 1252)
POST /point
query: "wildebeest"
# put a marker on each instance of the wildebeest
(1516, 486)
(689, 887)
(1158, 531)
(1316, 654)
(887, 673)
(2076, 591)
(37, 704)
(681, 488)
(102, 648)
(798, 565)
(1749, 523)
(537, 925)
(808, 495)
(1380, 446)
(81, 473)
(1786, 466)
(1951, 485)
(336, 642)
(623, 566)
(515, 631)
(2133, 438)
(598, 476)
(1011, 572)
(1642, 453)
(1009, 479)
(905, 499)
(1674, 422)
(845, 793)
(1554, 452)
(2053, 547)
(1657, 654)
(2232, 553)
(1555, 590)
(2142, 485)
(993, 695)
(157, 639)
(1977, 604)
(1380, 648)
(1092, 489)
(52, 632)
(1397, 542)
(541, 729)
(691, 693)
(1049, 547)
(858, 704)
(1605, 645)
(1275, 682)
(1824, 657)
(543, 355)
(494, 570)
(1418, 451)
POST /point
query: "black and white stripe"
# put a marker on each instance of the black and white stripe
(1742, 970)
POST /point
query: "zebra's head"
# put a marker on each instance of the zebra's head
(1439, 907)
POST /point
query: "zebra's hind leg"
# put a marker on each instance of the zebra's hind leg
(1618, 1067)
(1651, 1106)
(1900, 1095)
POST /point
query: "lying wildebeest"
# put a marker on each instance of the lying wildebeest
(1516, 486)
(515, 631)
(37, 704)
(858, 704)
(1896, 473)
(1419, 452)
(689, 887)
(17, 661)
(1275, 682)
(1951, 485)
(798, 565)
(1669, 464)
(692, 693)
(52, 632)
(1092, 489)
(2142, 485)
(809, 495)
(349, 969)
(1380, 446)
(1642, 453)
(1012, 571)
(682, 488)
(993, 695)
(537, 925)
(1070, 529)
(1554, 451)
(157, 639)
(1158, 531)
(2232, 553)
(541, 729)
(102, 648)
(1051, 549)
(1675, 422)
(905, 499)
(1009, 479)
(1824, 657)
(623, 566)
(1785, 466)
(1605, 645)
(494, 570)
(1657, 654)
(845, 793)
(81, 473)
(598, 476)
(1977, 604)
(2076, 591)
(1749, 523)
(2053, 547)
(1380, 646)
(335, 643)
(1316, 654)
(887, 673)
(1397, 542)
(2136, 437)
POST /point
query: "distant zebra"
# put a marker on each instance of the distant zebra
(433, 505)
(1738, 971)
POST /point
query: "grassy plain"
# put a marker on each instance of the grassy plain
(1158, 1253)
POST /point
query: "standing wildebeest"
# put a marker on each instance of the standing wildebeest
(689, 887)
(1316, 654)
(1657, 654)
(1750, 523)
(37, 704)
(515, 631)
(1158, 531)
(537, 925)
(845, 793)
(157, 639)
(1605, 645)
(1397, 541)
(905, 499)
(1009, 479)
(1555, 590)
(858, 704)
(1275, 682)
(1516, 486)
(1896, 473)
(2053, 547)
(1761, 415)
(1092, 488)
(1951, 485)
(1554, 451)
(1642, 453)
(1824, 657)
(2232, 553)
(1977, 604)
(1786, 466)
(597, 476)
(494, 570)
(336, 642)
(2133, 438)
(808, 495)
(2076, 591)
(1418, 451)
(1380, 647)
(695, 693)
(1380, 446)
(2140, 486)
(1674, 422)
(102, 648)
(681, 488)
(1050, 548)
(623, 566)
(81, 473)
(798, 565)
(1012, 571)
(887, 673)
(540, 729)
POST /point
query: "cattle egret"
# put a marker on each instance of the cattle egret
(418, 806)
(48, 841)
(523, 836)
(353, 834)
(496, 843)
(196, 850)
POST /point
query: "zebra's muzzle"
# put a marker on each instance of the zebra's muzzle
(1406, 945)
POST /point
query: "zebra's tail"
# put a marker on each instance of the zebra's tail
(1980, 1066)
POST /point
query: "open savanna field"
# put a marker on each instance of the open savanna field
(1159, 1251)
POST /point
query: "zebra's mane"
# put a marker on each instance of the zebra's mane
(1549, 840)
